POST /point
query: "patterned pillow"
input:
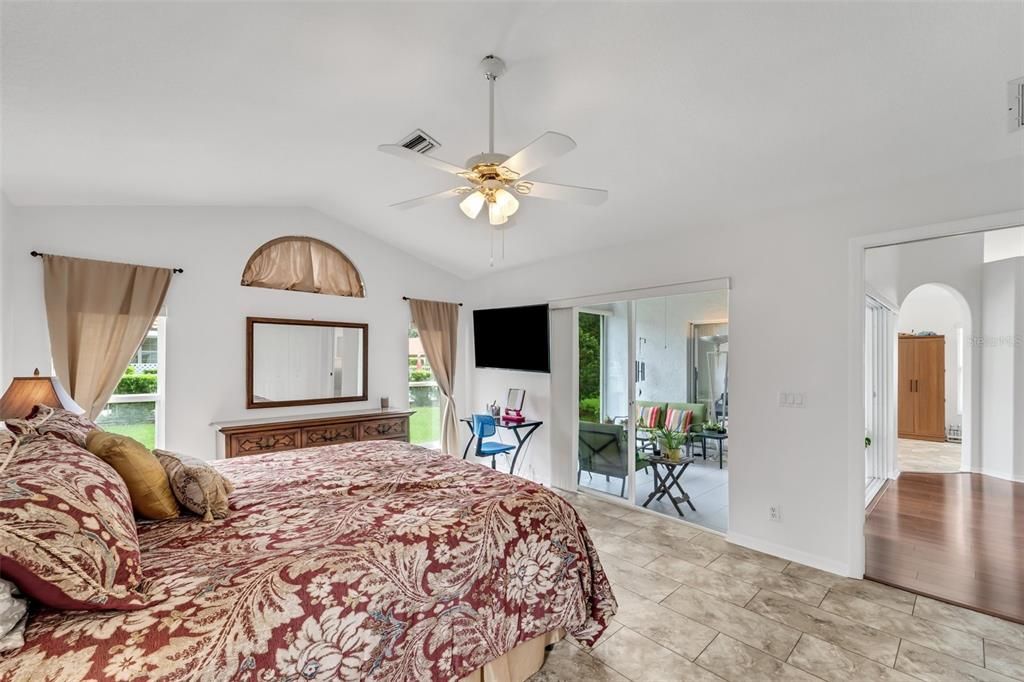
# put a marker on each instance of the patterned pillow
(678, 420)
(649, 417)
(45, 420)
(67, 534)
(199, 487)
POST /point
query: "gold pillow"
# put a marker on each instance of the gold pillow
(145, 479)
(198, 486)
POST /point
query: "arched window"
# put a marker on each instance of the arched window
(303, 264)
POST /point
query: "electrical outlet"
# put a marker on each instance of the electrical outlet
(774, 512)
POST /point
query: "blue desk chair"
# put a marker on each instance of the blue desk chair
(483, 427)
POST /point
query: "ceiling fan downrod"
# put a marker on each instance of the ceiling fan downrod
(492, 67)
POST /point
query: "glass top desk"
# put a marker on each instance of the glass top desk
(521, 430)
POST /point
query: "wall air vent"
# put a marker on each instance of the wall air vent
(419, 142)
(1015, 95)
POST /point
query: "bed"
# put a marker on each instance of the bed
(374, 560)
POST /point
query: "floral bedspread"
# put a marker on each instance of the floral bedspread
(374, 560)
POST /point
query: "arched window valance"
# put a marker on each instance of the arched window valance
(303, 264)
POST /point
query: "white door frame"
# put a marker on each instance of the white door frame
(855, 356)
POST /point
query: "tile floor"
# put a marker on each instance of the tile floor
(928, 456)
(703, 481)
(694, 607)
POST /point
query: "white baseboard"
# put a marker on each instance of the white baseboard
(998, 474)
(789, 553)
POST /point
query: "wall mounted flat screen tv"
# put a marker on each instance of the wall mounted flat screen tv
(512, 338)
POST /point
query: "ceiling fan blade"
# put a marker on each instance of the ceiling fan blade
(447, 194)
(403, 153)
(541, 151)
(549, 190)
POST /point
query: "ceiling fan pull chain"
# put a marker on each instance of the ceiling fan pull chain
(492, 247)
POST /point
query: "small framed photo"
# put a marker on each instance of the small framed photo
(516, 398)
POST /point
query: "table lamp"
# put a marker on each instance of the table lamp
(24, 393)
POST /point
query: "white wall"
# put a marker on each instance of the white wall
(664, 325)
(206, 306)
(5, 225)
(1002, 368)
(1002, 244)
(935, 309)
(789, 331)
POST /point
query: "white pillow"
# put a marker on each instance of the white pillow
(13, 617)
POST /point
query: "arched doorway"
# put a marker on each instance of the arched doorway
(934, 381)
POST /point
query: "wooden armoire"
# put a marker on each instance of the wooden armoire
(922, 387)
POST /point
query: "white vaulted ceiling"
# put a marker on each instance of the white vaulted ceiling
(692, 115)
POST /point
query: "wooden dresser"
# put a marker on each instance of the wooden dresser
(273, 434)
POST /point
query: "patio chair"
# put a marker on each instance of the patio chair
(603, 451)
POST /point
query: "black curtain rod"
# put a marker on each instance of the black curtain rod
(37, 254)
(406, 298)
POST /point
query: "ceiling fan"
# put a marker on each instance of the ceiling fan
(498, 180)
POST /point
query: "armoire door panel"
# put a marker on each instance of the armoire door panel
(930, 418)
(905, 406)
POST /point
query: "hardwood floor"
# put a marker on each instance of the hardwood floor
(954, 537)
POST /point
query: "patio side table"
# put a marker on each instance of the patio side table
(666, 479)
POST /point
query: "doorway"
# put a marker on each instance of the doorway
(931, 397)
(948, 520)
(652, 403)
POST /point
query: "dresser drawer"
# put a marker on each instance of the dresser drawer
(256, 442)
(383, 428)
(312, 431)
(327, 435)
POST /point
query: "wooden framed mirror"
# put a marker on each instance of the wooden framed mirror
(304, 362)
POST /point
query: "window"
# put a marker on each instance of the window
(146, 357)
(424, 397)
(136, 407)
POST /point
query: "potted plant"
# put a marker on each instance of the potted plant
(714, 427)
(672, 443)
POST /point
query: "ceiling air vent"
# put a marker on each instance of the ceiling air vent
(1015, 95)
(419, 142)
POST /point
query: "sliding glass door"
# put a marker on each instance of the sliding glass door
(652, 399)
(606, 439)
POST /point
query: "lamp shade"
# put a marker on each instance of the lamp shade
(24, 393)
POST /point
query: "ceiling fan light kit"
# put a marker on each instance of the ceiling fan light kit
(497, 180)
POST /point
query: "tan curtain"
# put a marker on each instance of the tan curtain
(303, 264)
(98, 314)
(438, 325)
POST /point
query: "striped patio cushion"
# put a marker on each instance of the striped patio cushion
(678, 420)
(648, 418)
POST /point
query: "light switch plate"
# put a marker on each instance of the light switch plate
(787, 399)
